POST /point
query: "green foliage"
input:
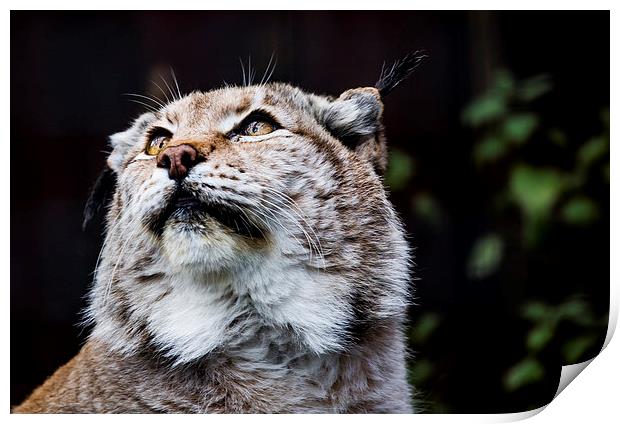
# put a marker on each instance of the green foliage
(535, 190)
(536, 311)
(489, 149)
(540, 335)
(579, 211)
(503, 84)
(421, 370)
(575, 348)
(400, 170)
(525, 372)
(493, 106)
(427, 208)
(485, 257)
(546, 319)
(576, 311)
(513, 143)
(593, 150)
(533, 88)
(519, 127)
(492, 111)
(484, 110)
(425, 326)
(505, 121)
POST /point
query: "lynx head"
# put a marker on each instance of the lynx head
(250, 212)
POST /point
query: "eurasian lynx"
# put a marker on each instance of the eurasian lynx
(252, 261)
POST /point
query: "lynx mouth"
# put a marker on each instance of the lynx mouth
(185, 200)
(187, 209)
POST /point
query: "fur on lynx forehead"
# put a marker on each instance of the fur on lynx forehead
(252, 261)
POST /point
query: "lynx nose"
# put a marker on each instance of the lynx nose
(178, 160)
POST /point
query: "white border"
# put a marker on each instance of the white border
(593, 397)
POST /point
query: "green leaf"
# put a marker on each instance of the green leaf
(534, 87)
(579, 211)
(485, 257)
(576, 310)
(489, 149)
(427, 208)
(574, 349)
(535, 190)
(425, 326)
(573, 308)
(536, 311)
(483, 110)
(540, 336)
(399, 171)
(518, 128)
(504, 83)
(525, 372)
(592, 150)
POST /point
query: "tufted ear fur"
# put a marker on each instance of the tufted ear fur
(399, 71)
(103, 187)
(354, 118)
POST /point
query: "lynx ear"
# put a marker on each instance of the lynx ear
(106, 181)
(121, 143)
(356, 113)
(354, 118)
(99, 194)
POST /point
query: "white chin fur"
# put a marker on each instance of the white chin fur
(209, 252)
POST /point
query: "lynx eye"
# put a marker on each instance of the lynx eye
(258, 127)
(157, 139)
(256, 124)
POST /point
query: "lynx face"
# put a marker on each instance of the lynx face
(250, 184)
(250, 215)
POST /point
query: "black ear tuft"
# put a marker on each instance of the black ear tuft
(99, 194)
(400, 70)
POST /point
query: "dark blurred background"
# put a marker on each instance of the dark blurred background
(500, 170)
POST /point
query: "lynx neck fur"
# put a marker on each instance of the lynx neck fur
(252, 263)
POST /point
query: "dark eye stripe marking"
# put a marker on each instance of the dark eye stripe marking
(256, 115)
